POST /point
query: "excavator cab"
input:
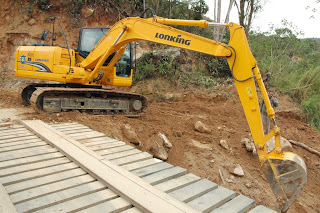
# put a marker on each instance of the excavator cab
(88, 39)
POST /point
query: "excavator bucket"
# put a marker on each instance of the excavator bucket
(287, 176)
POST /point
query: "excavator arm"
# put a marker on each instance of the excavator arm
(285, 171)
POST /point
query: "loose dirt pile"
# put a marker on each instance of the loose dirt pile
(201, 153)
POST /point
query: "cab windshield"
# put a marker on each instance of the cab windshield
(89, 38)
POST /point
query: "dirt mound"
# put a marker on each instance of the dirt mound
(221, 111)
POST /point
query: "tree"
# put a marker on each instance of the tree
(246, 10)
(199, 8)
(218, 32)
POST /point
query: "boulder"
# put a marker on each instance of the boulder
(130, 134)
(238, 171)
(284, 143)
(156, 148)
(31, 21)
(249, 145)
(200, 145)
(166, 142)
(201, 127)
(86, 12)
(224, 144)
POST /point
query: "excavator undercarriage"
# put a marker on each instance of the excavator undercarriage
(54, 98)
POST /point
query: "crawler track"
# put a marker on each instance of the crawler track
(61, 97)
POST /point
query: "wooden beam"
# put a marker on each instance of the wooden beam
(134, 189)
(6, 204)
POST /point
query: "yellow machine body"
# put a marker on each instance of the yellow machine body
(53, 64)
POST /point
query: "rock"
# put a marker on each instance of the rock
(166, 142)
(248, 185)
(224, 144)
(130, 134)
(160, 153)
(249, 145)
(200, 127)
(31, 21)
(179, 134)
(170, 96)
(200, 145)
(211, 161)
(230, 179)
(238, 171)
(156, 148)
(26, 18)
(86, 12)
(284, 143)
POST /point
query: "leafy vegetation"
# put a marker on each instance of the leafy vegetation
(153, 66)
(294, 65)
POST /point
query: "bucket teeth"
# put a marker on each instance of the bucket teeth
(287, 176)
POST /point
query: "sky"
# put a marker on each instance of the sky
(298, 12)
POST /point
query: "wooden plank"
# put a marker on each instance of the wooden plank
(5, 123)
(114, 149)
(86, 135)
(262, 209)
(193, 190)
(212, 199)
(27, 153)
(15, 126)
(152, 169)
(6, 205)
(239, 204)
(103, 138)
(19, 142)
(16, 178)
(82, 202)
(164, 175)
(131, 158)
(89, 144)
(73, 129)
(28, 160)
(86, 131)
(30, 194)
(43, 180)
(115, 205)
(141, 164)
(18, 139)
(12, 132)
(33, 166)
(76, 131)
(141, 194)
(58, 197)
(22, 146)
(66, 125)
(177, 183)
(15, 135)
(132, 210)
(106, 146)
(121, 154)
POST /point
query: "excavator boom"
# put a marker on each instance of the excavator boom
(285, 171)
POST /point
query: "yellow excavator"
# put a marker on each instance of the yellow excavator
(104, 58)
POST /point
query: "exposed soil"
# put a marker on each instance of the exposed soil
(200, 153)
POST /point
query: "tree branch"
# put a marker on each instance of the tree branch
(305, 147)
